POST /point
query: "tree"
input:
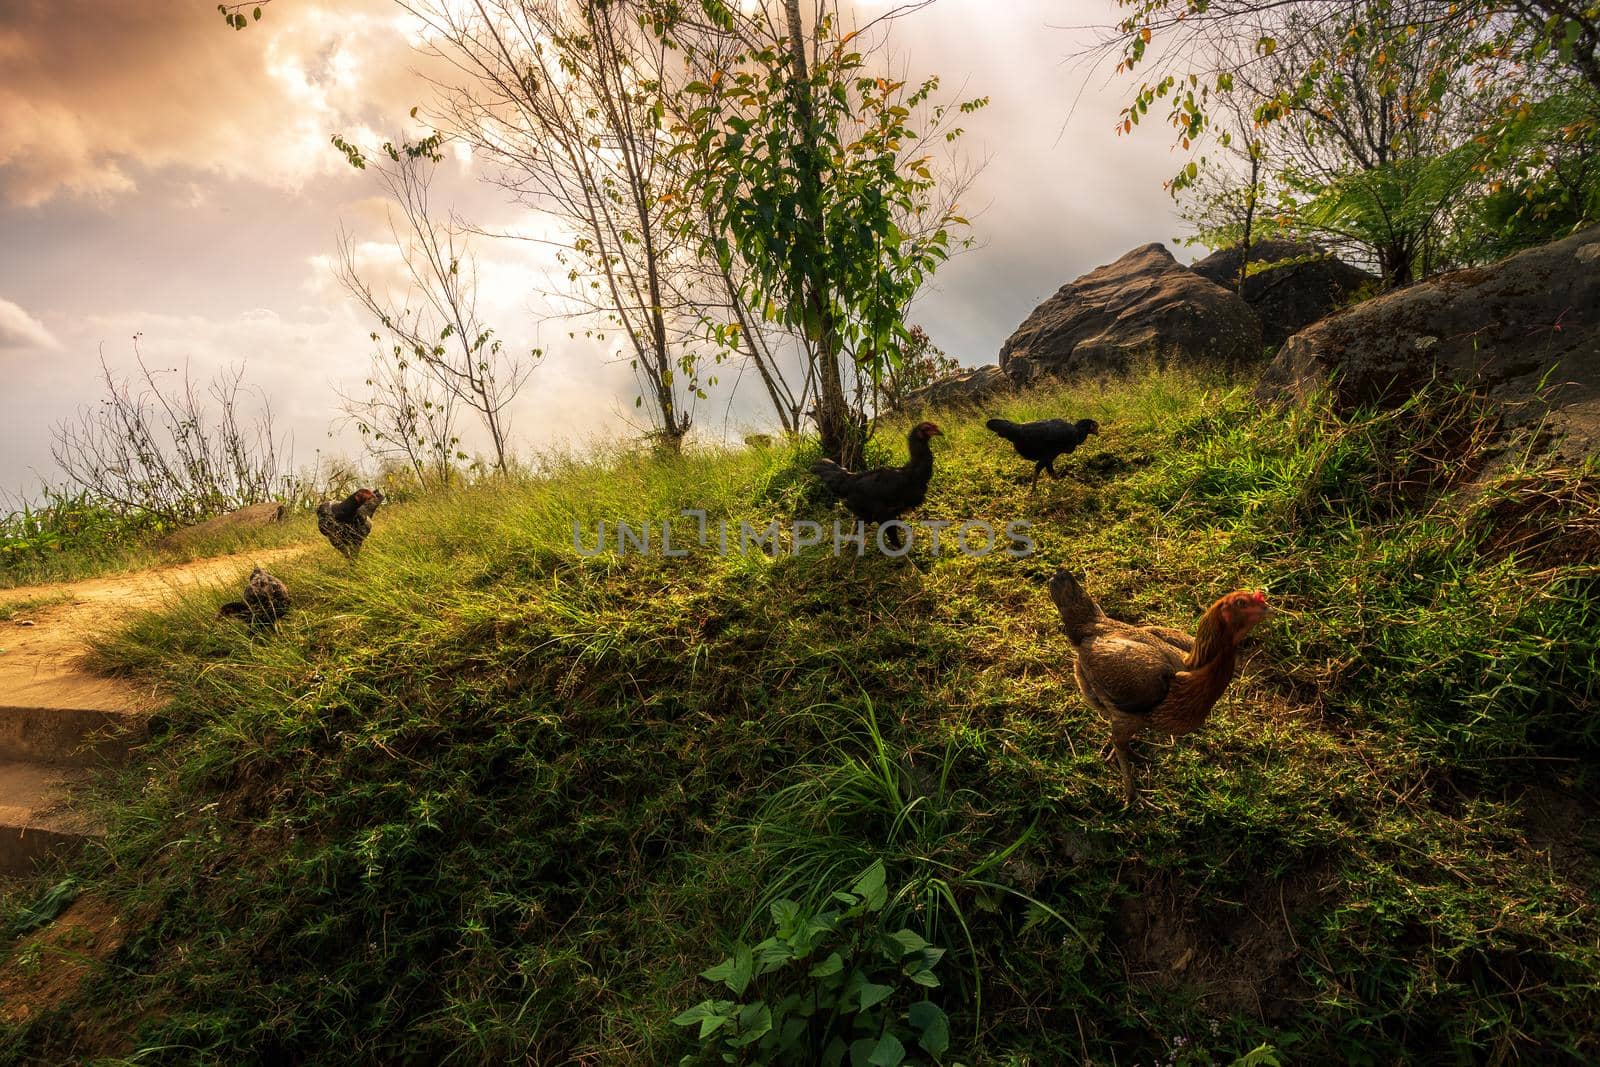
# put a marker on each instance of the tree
(437, 324)
(1542, 179)
(559, 96)
(234, 14)
(1227, 205)
(1372, 129)
(732, 325)
(1178, 34)
(1381, 116)
(406, 416)
(919, 363)
(807, 168)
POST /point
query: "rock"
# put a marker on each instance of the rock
(1293, 286)
(1502, 327)
(1145, 305)
(962, 390)
(247, 518)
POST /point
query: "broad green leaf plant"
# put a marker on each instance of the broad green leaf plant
(830, 986)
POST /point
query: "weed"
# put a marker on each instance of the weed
(482, 799)
(830, 983)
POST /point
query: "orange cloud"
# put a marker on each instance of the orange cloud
(94, 95)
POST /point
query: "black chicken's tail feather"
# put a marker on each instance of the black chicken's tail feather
(235, 609)
(1004, 427)
(835, 477)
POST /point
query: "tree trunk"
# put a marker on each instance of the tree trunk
(1396, 265)
(841, 431)
(1249, 218)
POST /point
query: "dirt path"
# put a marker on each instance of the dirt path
(59, 720)
(41, 650)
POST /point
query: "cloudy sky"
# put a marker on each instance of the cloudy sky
(165, 178)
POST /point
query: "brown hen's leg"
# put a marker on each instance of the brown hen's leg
(1120, 736)
(1129, 790)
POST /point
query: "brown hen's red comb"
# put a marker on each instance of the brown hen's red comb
(1259, 597)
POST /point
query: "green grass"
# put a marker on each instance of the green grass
(481, 799)
(76, 540)
(23, 607)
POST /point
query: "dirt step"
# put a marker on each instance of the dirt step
(36, 821)
(76, 737)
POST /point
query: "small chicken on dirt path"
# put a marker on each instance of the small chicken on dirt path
(40, 663)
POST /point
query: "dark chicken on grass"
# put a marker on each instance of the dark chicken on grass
(347, 523)
(888, 492)
(266, 600)
(1045, 441)
(1152, 677)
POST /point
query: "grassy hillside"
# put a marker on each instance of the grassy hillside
(73, 540)
(483, 799)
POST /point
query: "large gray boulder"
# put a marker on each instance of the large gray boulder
(1146, 305)
(1525, 329)
(1292, 286)
(967, 389)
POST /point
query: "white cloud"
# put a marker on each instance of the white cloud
(19, 330)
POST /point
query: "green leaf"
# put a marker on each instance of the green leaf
(932, 1026)
(755, 1022)
(736, 971)
(785, 914)
(873, 993)
(908, 941)
(871, 887)
(828, 967)
(887, 1051)
(712, 1015)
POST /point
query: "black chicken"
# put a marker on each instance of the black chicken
(1043, 442)
(266, 600)
(347, 523)
(888, 492)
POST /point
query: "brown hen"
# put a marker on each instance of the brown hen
(1152, 677)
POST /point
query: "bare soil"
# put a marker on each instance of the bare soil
(41, 652)
(47, 966)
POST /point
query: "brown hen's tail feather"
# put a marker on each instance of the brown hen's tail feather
(1078, 610)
